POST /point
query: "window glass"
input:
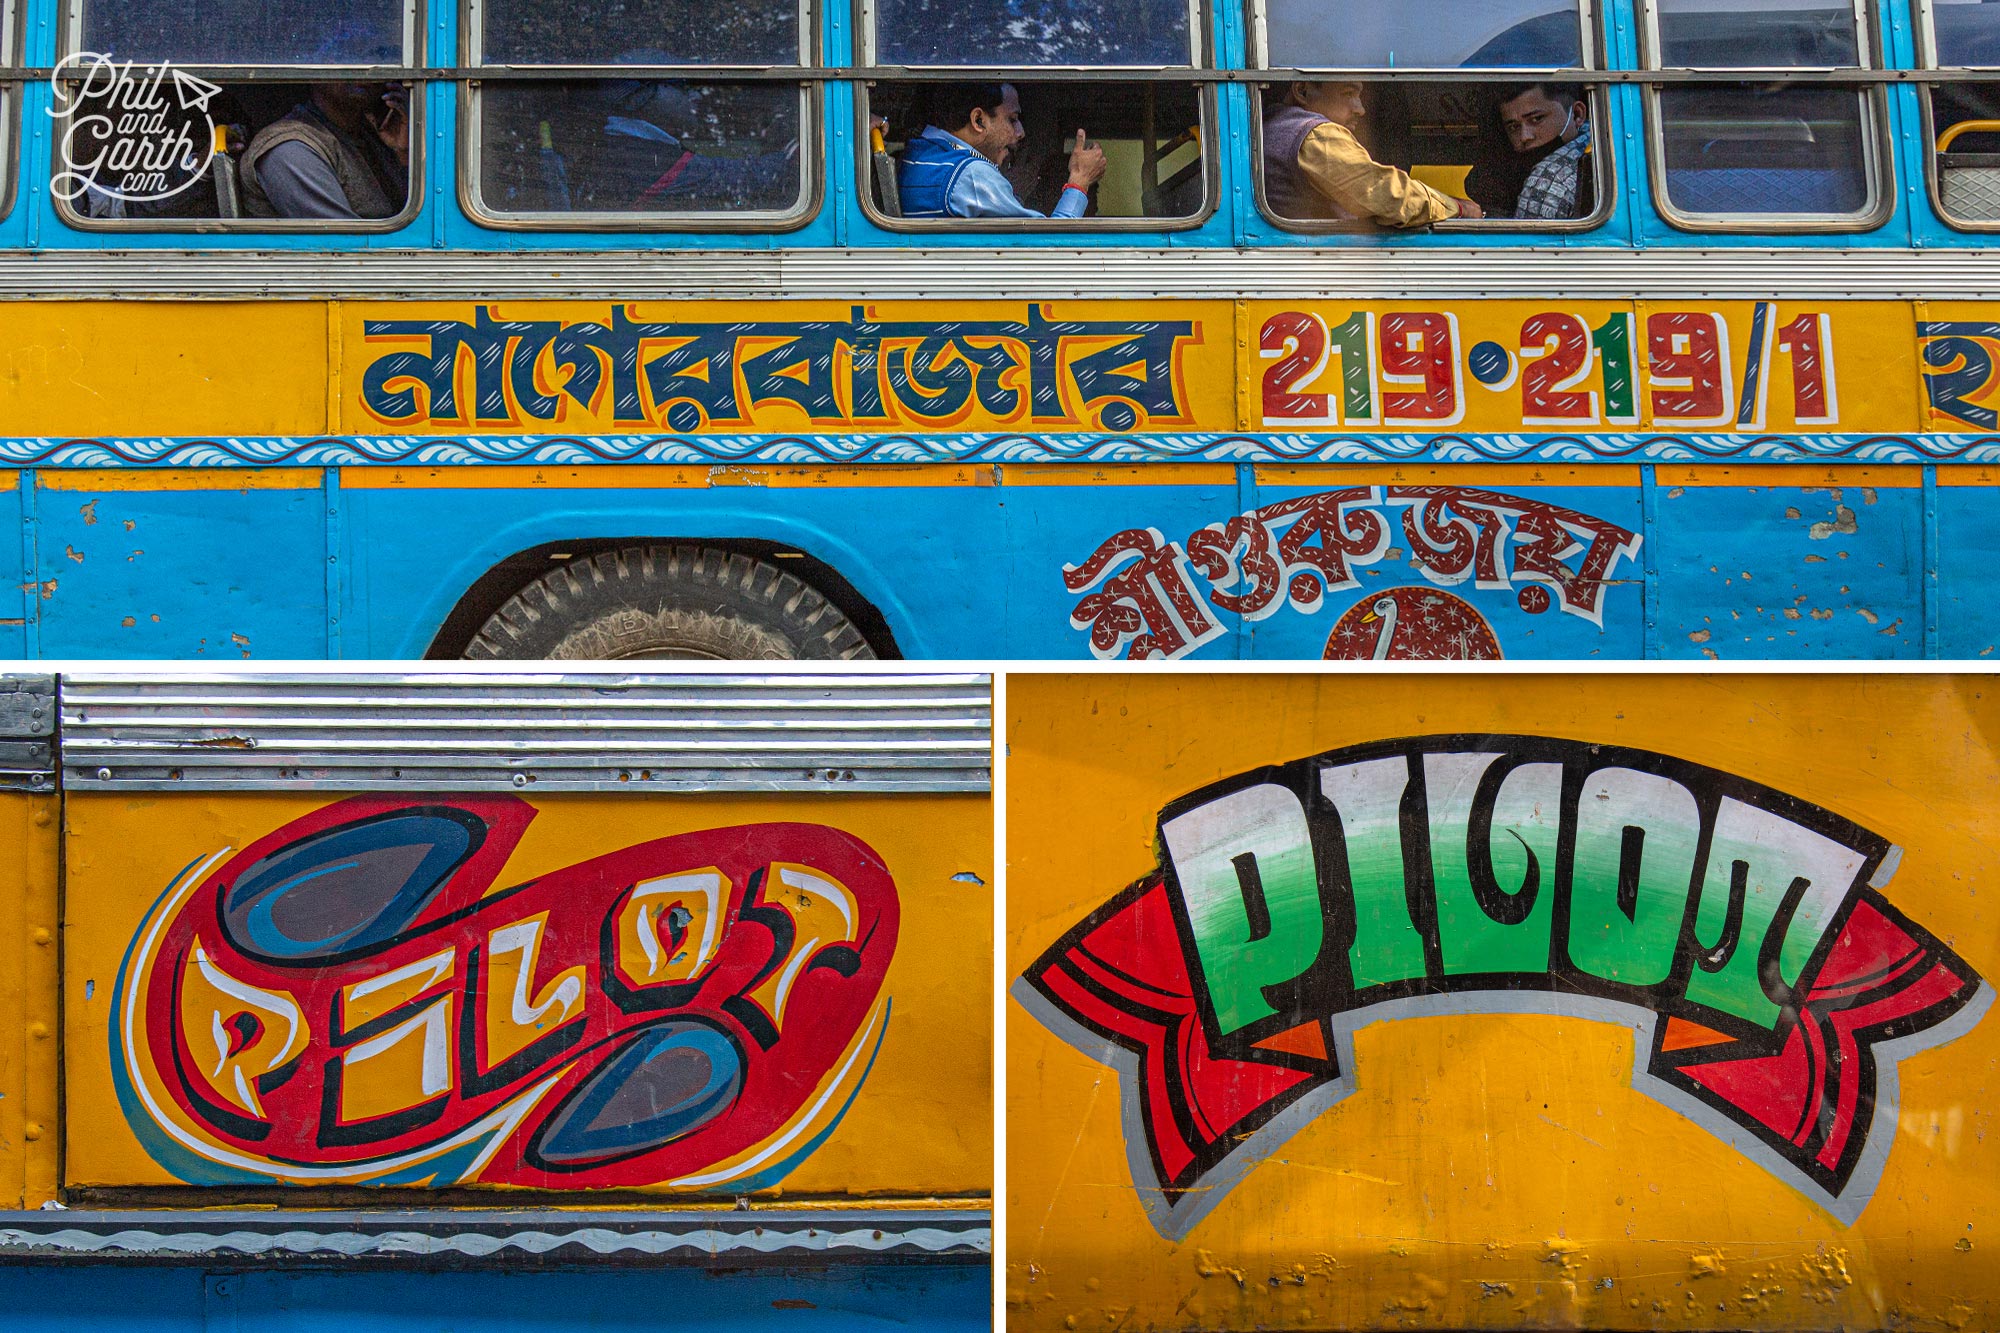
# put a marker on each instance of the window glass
(1966, 120)
(1523, 152)
(336, 153)
(1150, 135)
(246, 32)
(1421, 34)
(1757, 149)
(1747, 34)
(640, 32)
(1040, 32)
(1967, 32)
(639, 147)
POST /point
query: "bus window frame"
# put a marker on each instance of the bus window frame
(1601, 151)
(1651, 57)
(13, 23)
(1927, 60)
(811, 197)
(862, 14)
(1878, 155)
(1590, 44)
(415, 14)
(1211, 179)
(411, 74)
(812, 173)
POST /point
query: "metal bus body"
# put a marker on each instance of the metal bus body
(1647, 434)
(530, 1000)
(1499, 1001)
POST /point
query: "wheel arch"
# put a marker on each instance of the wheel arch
(513, 573)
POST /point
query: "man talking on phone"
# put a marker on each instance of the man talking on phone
(344, 153)
(955, 172)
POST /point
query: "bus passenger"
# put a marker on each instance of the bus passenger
(956, 173)
(1548, 126)
(342, 153)
(1315, 167)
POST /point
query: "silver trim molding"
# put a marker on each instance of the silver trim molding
(507, 1239)
(27, 733)
(1364, 269)
(520, 732)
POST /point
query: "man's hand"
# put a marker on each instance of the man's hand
(1468, 209)
(1086, 163)
(392, 124)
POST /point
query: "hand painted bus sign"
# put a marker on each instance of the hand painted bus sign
(1962, 371)
(1410, 369)
(347, 1001)
(1586, 371)
(1741, 932)
(1143, 595)
(860, 372)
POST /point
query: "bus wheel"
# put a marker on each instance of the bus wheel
(669, 602)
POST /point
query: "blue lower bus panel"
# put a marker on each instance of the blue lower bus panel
(1036, 564)
(923, 1298)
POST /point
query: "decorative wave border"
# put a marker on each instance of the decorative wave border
(738, 1237)
(847, 450)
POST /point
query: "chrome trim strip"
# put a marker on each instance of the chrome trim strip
(470, 732)
(27, 733)
(457, 1239)
(1369, 270)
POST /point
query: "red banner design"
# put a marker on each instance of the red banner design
(348, 1000)
(1809, 1093)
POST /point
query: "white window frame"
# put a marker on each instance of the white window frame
(1928, 59)
(410, 68)
(811, 175)
(869, 49)
(1586, 34)
(1879, 203)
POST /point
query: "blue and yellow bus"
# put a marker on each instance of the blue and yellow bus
(606, 333)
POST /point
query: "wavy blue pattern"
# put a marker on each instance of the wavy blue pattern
(568, 451)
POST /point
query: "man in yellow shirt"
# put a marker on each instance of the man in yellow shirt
(1315, 168)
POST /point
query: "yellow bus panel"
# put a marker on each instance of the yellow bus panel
(1629, 1002)
(759, 995)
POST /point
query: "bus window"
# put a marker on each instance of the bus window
(657, 146)
(265, 151)
(1964, 117)
(245, 32)
(1051, 32)
(638, 32)
(1019, 146)
(1425, 34)
(1149, 135)
(1414, 152)
(639, 147)
(1770, 153)
(10, 57)
(1497, 148)
(1757, 34)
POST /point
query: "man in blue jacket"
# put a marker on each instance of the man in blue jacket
(956, 173)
